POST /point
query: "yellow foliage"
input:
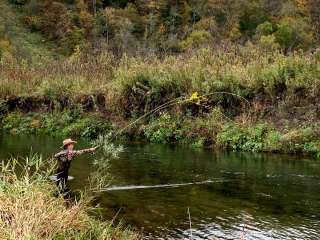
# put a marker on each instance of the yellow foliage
(194, 97)
(302, 5)
(33, 21)
(5, 46)
(195, 39)
(235, 32)
(86, 19)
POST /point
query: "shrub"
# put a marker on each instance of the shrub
(272, 141)
(196, 39)
(243, 138)
(301, 140)
(67, 123)
(165, 129)
(293, 33)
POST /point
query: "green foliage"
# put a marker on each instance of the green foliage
(241, 138)
(268, 43)
(16, 124)
(164, 25)
(264, 138)
(313, 148)
(196, 39)
(164, 129)
(292, 33)
(265, 28)
(68, 123)
(272, 141)
(210, 129)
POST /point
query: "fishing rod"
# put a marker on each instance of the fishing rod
(194, 98)
(180, 100)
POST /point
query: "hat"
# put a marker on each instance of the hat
(67, 141)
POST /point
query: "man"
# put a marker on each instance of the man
(64, 160)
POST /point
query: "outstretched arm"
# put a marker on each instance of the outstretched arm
(82, 151)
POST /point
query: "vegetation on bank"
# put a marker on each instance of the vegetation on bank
(213, 129)
(30, 207)
(244, 70)
(242, 97)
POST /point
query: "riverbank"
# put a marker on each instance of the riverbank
(214, 130)
(242, 98)
(30, 207)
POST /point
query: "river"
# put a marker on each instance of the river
(161, 190)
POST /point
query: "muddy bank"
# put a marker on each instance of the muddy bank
(293, 111)
(41, 103)
(286, 125)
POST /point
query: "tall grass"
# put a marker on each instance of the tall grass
(243, 70)
(73, 76)
(30, 209)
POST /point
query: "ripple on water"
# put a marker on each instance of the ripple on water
(244, 226)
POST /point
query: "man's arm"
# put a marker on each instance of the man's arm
(60, 154)
(82, 151)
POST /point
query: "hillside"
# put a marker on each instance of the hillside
(16, 39)
(162, 26)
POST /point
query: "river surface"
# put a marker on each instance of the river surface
(162, 189)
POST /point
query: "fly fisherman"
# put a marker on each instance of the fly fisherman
(64, 159)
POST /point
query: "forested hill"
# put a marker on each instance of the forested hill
(161, 26)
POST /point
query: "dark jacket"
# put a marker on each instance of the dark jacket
(64, 159)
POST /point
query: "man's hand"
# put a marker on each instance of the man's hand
(93, 149)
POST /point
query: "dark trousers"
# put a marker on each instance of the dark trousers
(62, 179)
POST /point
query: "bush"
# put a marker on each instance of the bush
(164, 129)
(293, 33)
(196, 39)
(242, 138)
(68, 123)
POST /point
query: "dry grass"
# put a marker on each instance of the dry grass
(29, 209)
(60, 77)
(240, 70)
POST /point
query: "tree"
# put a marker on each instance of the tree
(293, 33)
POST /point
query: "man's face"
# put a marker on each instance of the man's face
(70, 147)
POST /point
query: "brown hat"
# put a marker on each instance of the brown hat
(67, 141)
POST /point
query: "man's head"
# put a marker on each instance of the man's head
(68, 144)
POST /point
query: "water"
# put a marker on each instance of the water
(229, 195)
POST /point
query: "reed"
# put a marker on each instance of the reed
(77, 75)
(241, 70)
(31, 209)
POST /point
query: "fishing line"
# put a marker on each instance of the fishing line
(177, 101)
(135, 187)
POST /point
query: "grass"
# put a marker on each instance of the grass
(209, 129)
(243, 71)
(231, 92)
(31, 209)
(71, 77)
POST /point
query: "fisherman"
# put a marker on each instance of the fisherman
(64, 159)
